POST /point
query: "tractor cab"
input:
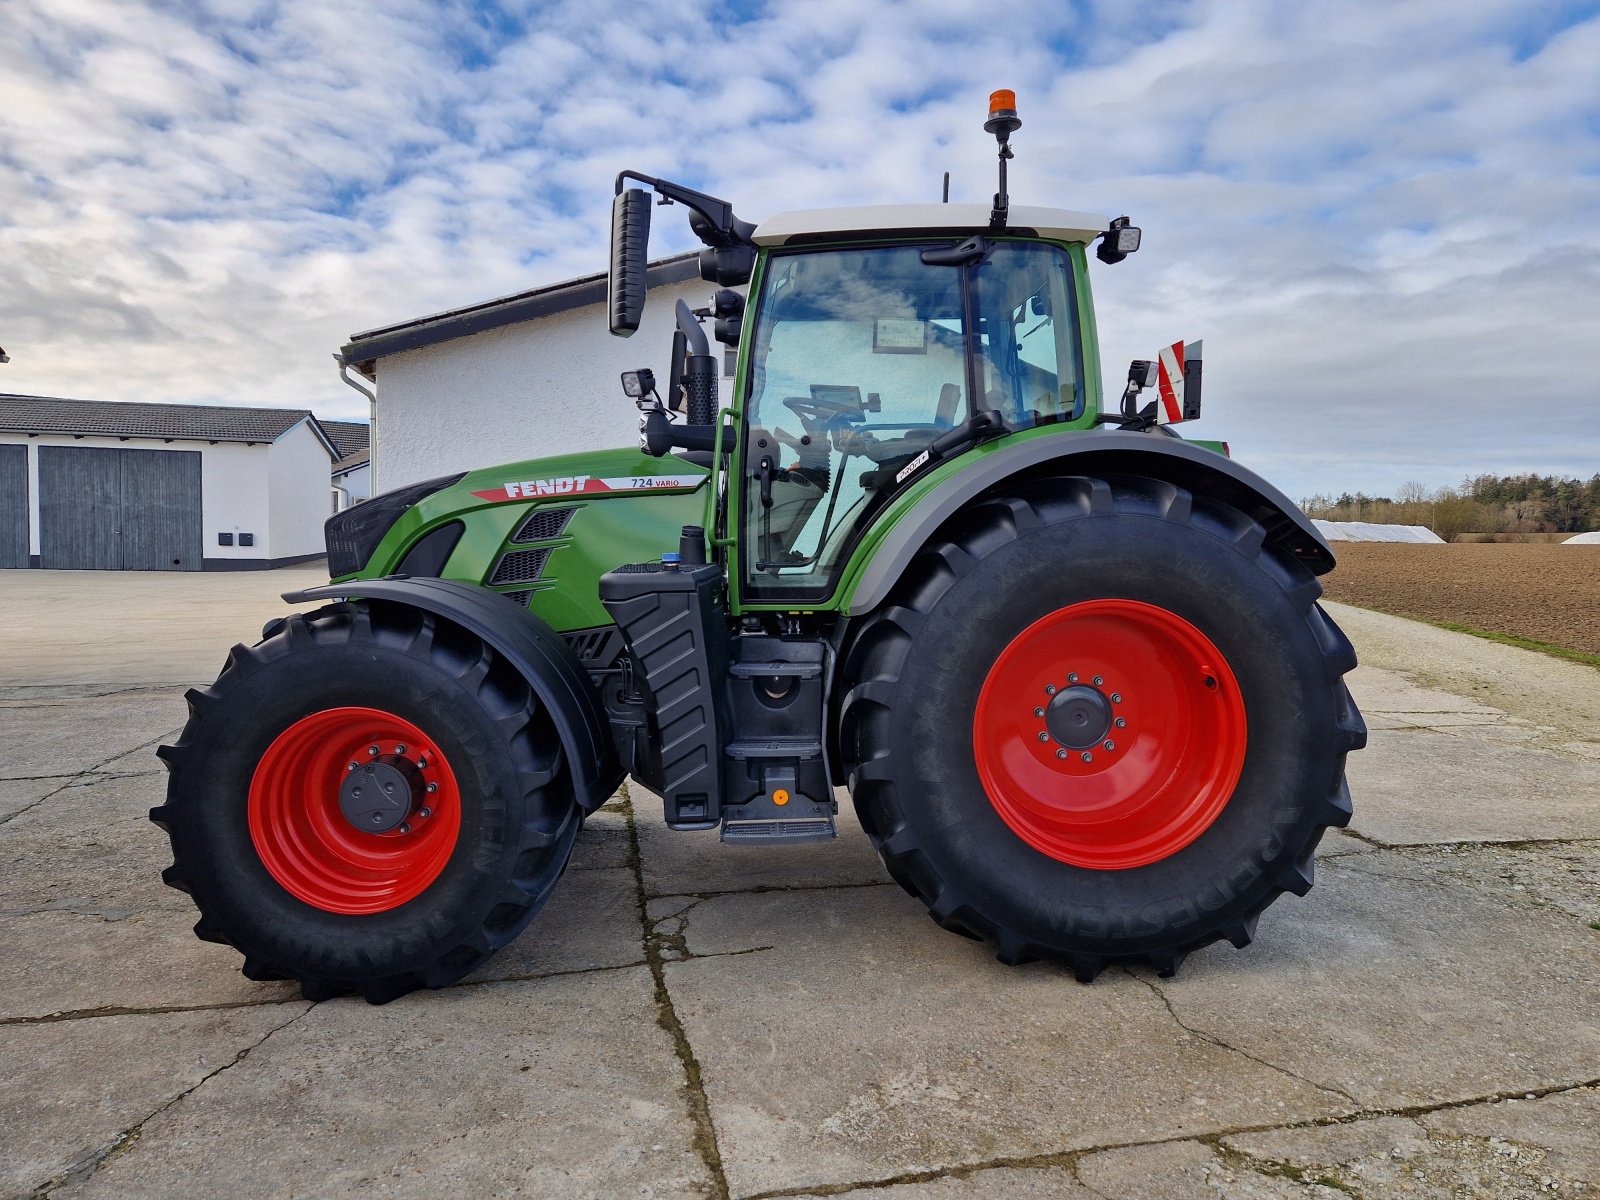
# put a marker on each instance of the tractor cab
(877, 343)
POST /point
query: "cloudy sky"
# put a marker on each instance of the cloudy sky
(1383, 218)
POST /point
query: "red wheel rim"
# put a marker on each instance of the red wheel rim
(303, 837)
(1172, 762)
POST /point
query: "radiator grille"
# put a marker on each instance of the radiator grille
(543, 524)
(520, 566)
(521, 597)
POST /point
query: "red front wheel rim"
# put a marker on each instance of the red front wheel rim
(1109, 734)
(309, 845)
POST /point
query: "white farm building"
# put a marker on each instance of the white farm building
(93, 485)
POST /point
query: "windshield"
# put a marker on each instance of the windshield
(862, 358)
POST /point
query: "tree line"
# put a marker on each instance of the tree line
(1482, 504)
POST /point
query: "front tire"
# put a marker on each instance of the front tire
(369, 800)
(1100, 720)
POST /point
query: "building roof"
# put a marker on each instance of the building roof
(196, 422)
(1058, 223)
(347, 437)
(364, 349)
(350, 462)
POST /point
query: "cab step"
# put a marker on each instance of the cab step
(779, 818)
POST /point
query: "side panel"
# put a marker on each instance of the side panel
(13, 506)
(543, 532)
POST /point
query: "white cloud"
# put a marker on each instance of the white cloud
(1384, 225)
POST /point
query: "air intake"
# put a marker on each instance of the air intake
(543, 524)
(520, 566)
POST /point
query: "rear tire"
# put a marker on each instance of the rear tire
(258, 779)
(989, 806)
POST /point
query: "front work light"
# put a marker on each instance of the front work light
(1117, 242)
(638, 384)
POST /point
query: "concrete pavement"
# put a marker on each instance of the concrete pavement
(686, 1019)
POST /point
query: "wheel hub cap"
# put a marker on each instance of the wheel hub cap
(1078, 717)
(381, 795)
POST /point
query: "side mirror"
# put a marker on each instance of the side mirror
(630, 239)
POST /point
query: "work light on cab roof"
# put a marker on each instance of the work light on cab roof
(1069, 664)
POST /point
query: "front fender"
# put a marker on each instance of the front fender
(1102, 451)
(529, 644)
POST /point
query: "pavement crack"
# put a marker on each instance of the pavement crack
(765, 888)
(1070, 1159)
(1213, 1040)
(698, 1103)
(81, 777)
(536, 976)
(154, 1010)
(73, 697)
(88, 1164)
(1365, 838)
(71, 780)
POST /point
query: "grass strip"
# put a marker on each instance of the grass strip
(1512, 639)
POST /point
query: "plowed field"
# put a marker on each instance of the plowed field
(1547, 593)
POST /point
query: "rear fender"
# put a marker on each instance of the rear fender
(530, 645)
(1103, 452)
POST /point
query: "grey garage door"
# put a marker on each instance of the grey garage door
(13, 506)
(119, 510)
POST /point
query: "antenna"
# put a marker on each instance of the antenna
(946, 199)
(1003, 122)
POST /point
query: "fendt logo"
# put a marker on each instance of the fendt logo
(583, 485)
(563, 485)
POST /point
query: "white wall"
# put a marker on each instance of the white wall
(234, 498)
(529, 390)
(297, 480)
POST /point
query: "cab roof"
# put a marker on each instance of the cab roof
(1058, 224)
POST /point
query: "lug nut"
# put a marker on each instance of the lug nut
(1038, 712)
(424, 813)
(1116, 697)
(1098, 680)
(1044, 735)
(1122, 722)
(406, 827)
(432, 788)
(1061, 753)
(1110, 745)
(1086, 756)
(373, 750)
(353, 766)
(1049, 689)
(1072, 677)
(399, 749)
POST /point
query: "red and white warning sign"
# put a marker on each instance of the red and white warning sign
(1176, 404)
(584, 485)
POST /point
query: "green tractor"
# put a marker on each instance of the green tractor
(1070, 666)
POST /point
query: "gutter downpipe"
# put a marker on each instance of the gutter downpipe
(372, 416)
